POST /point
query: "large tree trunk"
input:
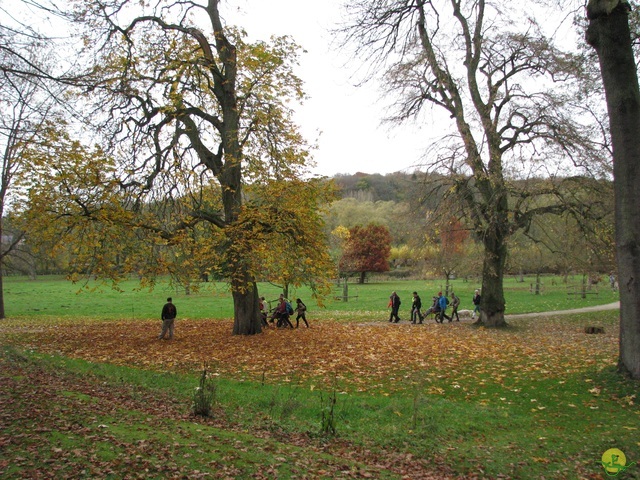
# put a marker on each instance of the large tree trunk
(2, 314)
(492, 302)
(246, 311)
(609, 34)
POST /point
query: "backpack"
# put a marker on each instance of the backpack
(447, 299)
(289, 308)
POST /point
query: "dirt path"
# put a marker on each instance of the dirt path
(466, 318)
(595, 308)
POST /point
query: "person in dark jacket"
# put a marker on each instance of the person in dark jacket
(416, 314)
(168, 316)
(282, 313)
(394, 303)
(301, 308)
(434, 309)
(455, 303)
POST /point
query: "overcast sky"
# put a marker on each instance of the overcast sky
(347, 119)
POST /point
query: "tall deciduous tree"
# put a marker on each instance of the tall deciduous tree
(510, 95)
(187, 112)
(366, 250)
(609, 34)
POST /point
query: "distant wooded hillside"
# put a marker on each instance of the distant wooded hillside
(397, 187)
(432, 236)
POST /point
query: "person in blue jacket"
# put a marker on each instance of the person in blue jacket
(442, 303)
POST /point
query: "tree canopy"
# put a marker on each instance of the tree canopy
(196, 139)
(367, 249)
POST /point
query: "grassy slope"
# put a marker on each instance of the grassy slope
(60, 421)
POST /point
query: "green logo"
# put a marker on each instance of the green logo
(614, 462)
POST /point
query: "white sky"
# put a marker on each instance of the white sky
(342, 119)
(348, 119)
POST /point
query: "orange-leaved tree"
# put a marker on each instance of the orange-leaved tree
(367, 249)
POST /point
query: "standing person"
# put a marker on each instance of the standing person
(476, 304)
(416, 305)
(442, 303)
(301, 308)
(262, 303)
(455, 303)
(168, 316)
(394, 303)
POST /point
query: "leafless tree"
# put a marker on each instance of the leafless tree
(512, 98)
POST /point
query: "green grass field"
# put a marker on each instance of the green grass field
(57, 297)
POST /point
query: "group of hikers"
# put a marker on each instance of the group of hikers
(280, 315)
(438, 308)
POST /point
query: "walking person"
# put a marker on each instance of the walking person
(168, 316)
(281, 313)
(455, 303)
(434, 309)
(415, 308)
(394, 303)
(301, 308)
(442, 303)
(476, 304)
